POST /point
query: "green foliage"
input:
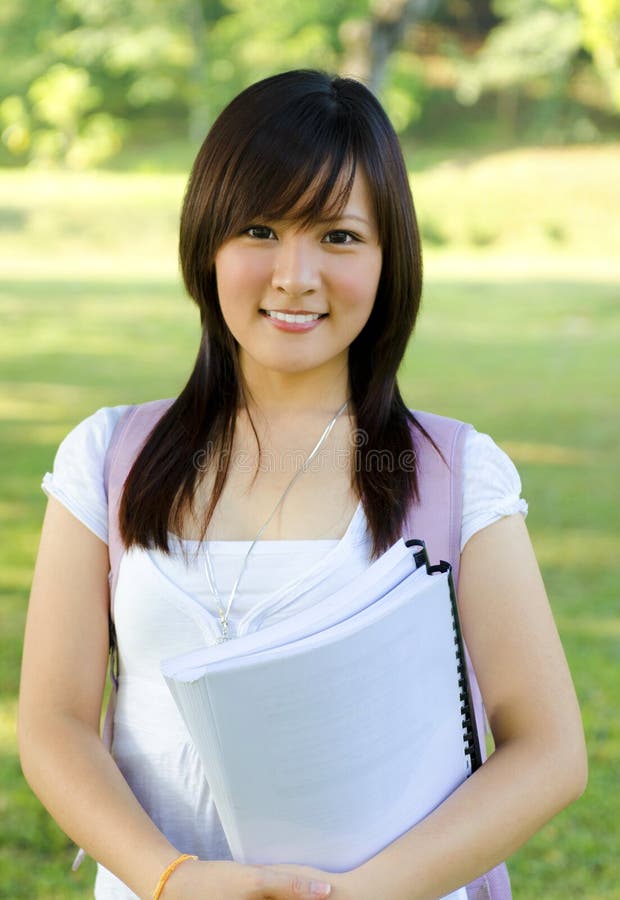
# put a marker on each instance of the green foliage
(404, 92)
(536, 40)
(601, 36)
(14, 117)
(182, 57)
(124, 68)
(555, 54)
(249, 42)
(57, 123)
(114, 56)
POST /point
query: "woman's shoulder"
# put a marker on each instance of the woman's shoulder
(77, 478)
(491, 486)
(89, 439)
(436, 422)
(93, 434)
(479, 449)
(487, 462)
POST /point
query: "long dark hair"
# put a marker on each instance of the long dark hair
(293, 140)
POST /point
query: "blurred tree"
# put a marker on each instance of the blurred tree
(536, 44)
(166, 67)
(539, 46)
(250, 41)
(117, 61)
(470, 18)
(181, 61)
(376, 47)
(601, 36)
(370, 40)
(54, 110)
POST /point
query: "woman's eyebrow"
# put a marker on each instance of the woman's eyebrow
(341, 217)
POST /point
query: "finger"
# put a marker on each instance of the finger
(292, 887)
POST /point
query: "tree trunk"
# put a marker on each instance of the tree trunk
(198, 111)
(508, 111)
(388, 23)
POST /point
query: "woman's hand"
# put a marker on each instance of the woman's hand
(221, 880)
(352, 885)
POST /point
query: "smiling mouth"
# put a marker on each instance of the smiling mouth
(292, 317)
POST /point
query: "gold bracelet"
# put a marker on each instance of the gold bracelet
(165, 875)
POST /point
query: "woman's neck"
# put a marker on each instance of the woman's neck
(276, 395)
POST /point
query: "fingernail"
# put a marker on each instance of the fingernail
(320, 888)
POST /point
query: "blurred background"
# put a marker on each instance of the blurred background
(508, 112)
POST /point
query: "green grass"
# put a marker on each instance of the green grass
(519, 334)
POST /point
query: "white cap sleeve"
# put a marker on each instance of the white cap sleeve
(491, 485)
(77, 478)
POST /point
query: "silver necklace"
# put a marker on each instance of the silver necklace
(224, 612)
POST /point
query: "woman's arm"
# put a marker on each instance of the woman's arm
(63, 678)
(539, 765)
(65, 762)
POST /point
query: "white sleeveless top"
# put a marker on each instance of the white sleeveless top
(163, 607)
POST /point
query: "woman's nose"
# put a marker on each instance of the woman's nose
(296, 269)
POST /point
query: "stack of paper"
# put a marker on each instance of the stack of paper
(326, 736)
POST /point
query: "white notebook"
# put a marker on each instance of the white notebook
(326, 736)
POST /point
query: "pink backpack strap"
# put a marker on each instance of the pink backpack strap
(114, 541)
(127, 441)
(436, 519)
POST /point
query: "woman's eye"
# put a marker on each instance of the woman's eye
(259, 232)
(340, 237)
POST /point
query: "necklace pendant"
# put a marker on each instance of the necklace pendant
(224, 629)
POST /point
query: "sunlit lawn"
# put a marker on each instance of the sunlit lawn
(520, 336)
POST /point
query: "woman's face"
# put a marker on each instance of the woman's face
(295, 297)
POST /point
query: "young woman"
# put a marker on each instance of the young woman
(300, 247)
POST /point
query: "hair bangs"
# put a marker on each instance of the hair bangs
(280, 178)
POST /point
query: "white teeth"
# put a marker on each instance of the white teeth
(293, 317)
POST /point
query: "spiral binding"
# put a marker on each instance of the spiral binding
(468, 720)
